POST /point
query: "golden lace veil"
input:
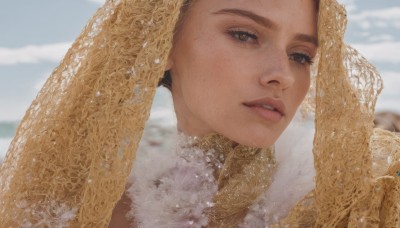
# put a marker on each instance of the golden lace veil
(75, 146)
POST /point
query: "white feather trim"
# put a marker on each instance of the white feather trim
(293, 179)
(173, 186)
(173, 189)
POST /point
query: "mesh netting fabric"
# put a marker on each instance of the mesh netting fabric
(347, 89)
(343, 118)
(357, 168)
(243, 166)
(68, 164)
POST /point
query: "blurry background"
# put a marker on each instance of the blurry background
(36, 34)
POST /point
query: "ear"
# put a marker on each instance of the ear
(170, 63)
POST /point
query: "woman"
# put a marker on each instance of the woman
(239, 70)
(253, 60)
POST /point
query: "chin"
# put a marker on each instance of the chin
(253, 134)
(259, 143)
(259, 140)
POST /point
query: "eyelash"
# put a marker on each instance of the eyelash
(301, 58)
(244, 36)
(239, 35)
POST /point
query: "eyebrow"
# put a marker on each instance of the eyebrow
(257, 18)
(266, 23)
(307, 38)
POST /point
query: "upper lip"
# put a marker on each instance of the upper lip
(276, 104)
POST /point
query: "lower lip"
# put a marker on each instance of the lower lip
(269, 115)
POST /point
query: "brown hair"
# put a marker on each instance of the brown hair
(166, 80)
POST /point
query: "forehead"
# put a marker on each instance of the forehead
(300, 14)
(288, 3)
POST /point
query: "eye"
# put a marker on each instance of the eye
(301, 58)
(243, 36)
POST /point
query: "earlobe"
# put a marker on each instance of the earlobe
(169, 65)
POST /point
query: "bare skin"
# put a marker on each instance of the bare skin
(230, 56)
(118, 219)
(240, 68)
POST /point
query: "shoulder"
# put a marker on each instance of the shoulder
(119, 216)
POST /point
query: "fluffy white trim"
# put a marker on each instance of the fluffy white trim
(173, 186)
(173, 189)
(293, 179)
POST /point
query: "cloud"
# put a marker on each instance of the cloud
(387, 104)
(389, 99)
(40, 83)
(13, 109)
(380, 52)
(350, 5)
(381, 38)
(33, 53)
(381, 18)
(4, 144)
(98, 1)
(392, 13)
(391, 84)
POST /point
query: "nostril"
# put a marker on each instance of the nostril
(273, 82)
(269, 81)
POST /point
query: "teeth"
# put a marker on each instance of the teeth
(267, 107)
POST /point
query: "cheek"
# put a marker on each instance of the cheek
(211, 85)
(301, 89)
(305, 85)
(204, 76)
(211, 68)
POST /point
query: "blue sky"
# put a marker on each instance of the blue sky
(36, 35)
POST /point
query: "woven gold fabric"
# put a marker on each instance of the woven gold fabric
(357, 168)
(75, 146)
(245, 175)
(379, 204)
(74, 149)
(341, 150)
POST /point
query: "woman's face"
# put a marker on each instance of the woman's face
(241, 68)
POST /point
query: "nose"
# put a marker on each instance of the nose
(276, 71)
